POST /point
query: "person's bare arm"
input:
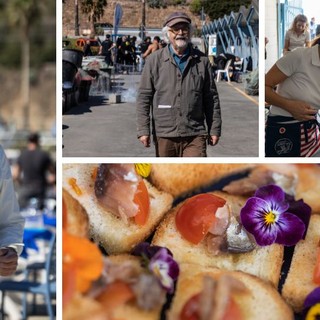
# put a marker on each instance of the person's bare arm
(16, 172)
(300, 110)
(155, 47)
(149, 51)
(286, 46)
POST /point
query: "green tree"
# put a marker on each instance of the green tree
(195, 6)
(94, 9)
(157, 3)
(23, 14)
(216, 8)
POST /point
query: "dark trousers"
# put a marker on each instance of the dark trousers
(195, 146)
(108, 59)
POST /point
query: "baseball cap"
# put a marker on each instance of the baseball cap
(177, 17)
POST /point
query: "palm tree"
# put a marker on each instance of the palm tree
(23, 14)
(94, 9)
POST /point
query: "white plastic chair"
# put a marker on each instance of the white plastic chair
(224, 71)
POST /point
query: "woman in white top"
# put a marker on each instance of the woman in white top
(298, 35)
(293, 122)
(11, 221)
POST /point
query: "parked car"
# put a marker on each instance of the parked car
(79, 43)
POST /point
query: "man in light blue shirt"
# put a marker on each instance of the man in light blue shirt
(313, 28)
(11, 221)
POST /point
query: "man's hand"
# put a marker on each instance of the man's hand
(145, 140)
(213, 140)
(8, 261)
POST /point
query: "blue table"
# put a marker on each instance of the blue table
(31, 234)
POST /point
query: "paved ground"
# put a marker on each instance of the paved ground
(99, 128)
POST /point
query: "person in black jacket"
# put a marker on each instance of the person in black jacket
(87, 49)
(34, 172)
(105, 50)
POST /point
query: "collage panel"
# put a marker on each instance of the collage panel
(88, 232)
(160, 79)
(28, 159)
(190, 241)
(292, 81)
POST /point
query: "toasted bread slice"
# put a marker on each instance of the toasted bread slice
(264, 262)
(308, 187)
(260, 301)
(77, 218)
(299, 282)
(180, 179)
(307, 184)
(84, 308)
(112, 233)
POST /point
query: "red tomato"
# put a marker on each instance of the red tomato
(190, 310)
(306, 165)
(64, 214)
(141, 198)
(233, 311)
(316, 273)
(68, 284)
(196, 216)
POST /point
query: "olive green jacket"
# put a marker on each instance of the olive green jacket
(179, 105)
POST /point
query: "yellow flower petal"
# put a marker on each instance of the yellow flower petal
(143, 169)
(314, 312)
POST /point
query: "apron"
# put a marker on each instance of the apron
(285, 138)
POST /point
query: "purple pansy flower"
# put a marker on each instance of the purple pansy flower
(165, 268)
(159, 260)
(267, 217)
(312, 305)
(300, 209)
(146, 250)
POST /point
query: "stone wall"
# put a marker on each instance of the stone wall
(132, 13)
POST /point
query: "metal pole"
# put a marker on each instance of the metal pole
(202, 17)
(143, 20)
(76, 20)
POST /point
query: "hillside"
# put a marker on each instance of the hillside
(42, 109)
(132, 12)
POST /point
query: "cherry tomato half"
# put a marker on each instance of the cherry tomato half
(196, 216)
(141, 198)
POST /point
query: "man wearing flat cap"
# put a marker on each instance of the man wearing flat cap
(178, 102)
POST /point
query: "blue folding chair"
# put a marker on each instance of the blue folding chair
(47, 289)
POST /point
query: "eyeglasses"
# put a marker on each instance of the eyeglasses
(176, 30)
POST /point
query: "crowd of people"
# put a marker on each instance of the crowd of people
(126, 51)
